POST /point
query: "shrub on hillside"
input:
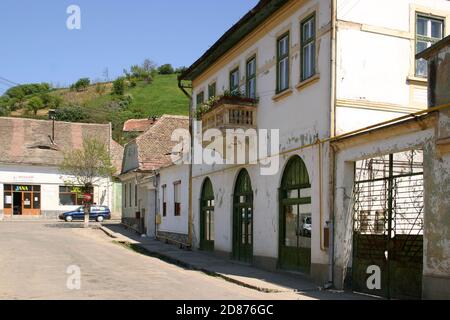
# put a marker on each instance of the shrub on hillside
(51, 101)
(166, 69)
(81, 85)
(118, 87)
(71, 114)
(27, 89)
(4, 111)
(180, 70)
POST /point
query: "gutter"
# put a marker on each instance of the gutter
(191, 133)
(330, 223)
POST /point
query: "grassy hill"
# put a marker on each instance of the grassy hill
(162, 96)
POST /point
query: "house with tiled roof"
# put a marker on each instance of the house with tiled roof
(30, 154)
(154, 187)
(138, 125)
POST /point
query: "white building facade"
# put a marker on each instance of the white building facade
(317, 69)
(155, 196)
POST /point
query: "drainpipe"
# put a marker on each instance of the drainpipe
(191, 133)
(156, 186)
(332, 159)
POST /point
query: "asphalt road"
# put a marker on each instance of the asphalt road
(35, 258)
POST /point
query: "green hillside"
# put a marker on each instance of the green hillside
(94, 105)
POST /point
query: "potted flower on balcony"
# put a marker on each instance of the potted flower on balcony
(228, 97)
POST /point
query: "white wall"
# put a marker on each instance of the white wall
(266, 206)
(145, 203)
(301, 118)
(50, 180)
(169, 175)
(375, 68)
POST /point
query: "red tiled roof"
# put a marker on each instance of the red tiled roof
(154, 147)
(138, 125)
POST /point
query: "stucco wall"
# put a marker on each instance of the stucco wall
(142, 202)
(171, 223)
(50, 180)
(436, 268)
(375, 71)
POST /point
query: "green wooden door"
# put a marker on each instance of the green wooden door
(243, 219)
(295, 218)
(207, 217)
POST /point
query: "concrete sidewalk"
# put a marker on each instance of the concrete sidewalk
(243, 275)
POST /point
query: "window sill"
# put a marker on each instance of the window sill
(283, 94)
(417, 80)
(305, 83)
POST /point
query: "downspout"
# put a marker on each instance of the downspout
(190, 217)
(156, 185)
(333, 132)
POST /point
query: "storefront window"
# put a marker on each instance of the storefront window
(72, 196)
(22, 199)
(8, 196)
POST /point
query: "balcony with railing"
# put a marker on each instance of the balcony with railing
(229, 112)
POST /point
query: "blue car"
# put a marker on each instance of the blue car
(98, 213)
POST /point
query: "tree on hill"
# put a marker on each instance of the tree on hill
(35, 104)
(166, 69)
(51, 101)
(71, 114)
(81, 85)
(27, 89)
(180, 70)
(119, 87)
(143, 72)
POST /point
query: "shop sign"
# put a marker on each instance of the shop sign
(22, 188)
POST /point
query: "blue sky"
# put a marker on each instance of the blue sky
(36, 45)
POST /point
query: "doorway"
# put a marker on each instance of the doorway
(243, 218)
(388, 213)
(17, 203)
(207, 217)
(295, 218)
(22, 200)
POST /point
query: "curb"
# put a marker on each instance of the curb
(143, 250)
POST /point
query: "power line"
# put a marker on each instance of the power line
(12, 82)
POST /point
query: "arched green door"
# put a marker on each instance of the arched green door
(243, 218)
(295, 217)
(207, 216)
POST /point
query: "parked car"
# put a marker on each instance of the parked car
(306, 226)
(98, 213)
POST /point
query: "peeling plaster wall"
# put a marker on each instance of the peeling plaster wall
(436, 203)
(437, 223)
